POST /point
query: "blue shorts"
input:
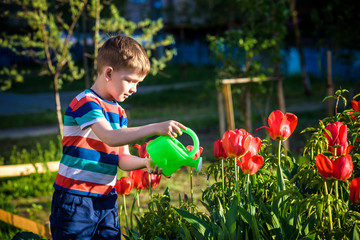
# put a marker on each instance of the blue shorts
(81, 217)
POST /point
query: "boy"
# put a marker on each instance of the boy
(95, 142)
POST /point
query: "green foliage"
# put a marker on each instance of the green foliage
(149, 31)
(46, 42)
(162, 220)
(26, 236)
(239, 52)
(33, 152)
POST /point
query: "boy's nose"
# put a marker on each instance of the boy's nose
(133, 89)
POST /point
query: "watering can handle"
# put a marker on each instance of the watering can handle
(195, 141)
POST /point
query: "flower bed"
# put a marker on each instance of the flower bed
(261, 191)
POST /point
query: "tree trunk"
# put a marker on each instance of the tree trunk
(281, 98)
(329, 84)
(305, 78)
(248, 125)
(58, 104)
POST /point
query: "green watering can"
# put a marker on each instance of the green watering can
(169, 154)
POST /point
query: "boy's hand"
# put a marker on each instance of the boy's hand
(152, 168)
(170, 128)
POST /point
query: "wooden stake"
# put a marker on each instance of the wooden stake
(229, 107)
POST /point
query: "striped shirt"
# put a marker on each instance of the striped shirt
(89, 166)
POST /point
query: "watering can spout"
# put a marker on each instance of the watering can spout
(169, 154)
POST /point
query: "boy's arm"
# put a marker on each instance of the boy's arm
(128, 162)
(124, 136)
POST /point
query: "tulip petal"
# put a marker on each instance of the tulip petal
(334, 129)
(290, 120)
(355, 105)
(355, 191)
(275, 120)
(343, 167)
(324, 166)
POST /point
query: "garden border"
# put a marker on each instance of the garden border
(26, 224)
(26, 169)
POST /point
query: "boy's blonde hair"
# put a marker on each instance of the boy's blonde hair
(122, 52)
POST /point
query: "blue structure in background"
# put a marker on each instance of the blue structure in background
(198, 53)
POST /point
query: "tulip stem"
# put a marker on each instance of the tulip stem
(222, 174)
(150, 192)
(337, 199)
(249, 188)
(138, 201)
(126, 216)
(191, 185)
(329, 206)
(236, 179)
(281, 183)
(120, 209)
(132, 209)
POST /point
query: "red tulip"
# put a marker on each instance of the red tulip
(324, 166)
(355, 105)
(236, 142)
(337, 138)
(343, 167)
(281, 126)
(136, 176)
(355, 191)
(142, 150)
(197, 154)
(338, 133)
(254, 146)
(124, 185)
(155, 180)
(250, 164)
(219, 150)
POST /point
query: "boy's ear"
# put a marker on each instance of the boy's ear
(108, 72)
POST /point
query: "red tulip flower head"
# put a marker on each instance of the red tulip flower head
(136, 176)
(337, 139)
(281, 126)
(219, 150)
(343, 167)
(340, 169)
(154, 178)
(197, 154)
(142, 150)
(355, 105)
(124, 186)
(251, 163)
(236, 142)
(355, 191)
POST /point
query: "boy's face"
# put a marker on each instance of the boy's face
(121, 84)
